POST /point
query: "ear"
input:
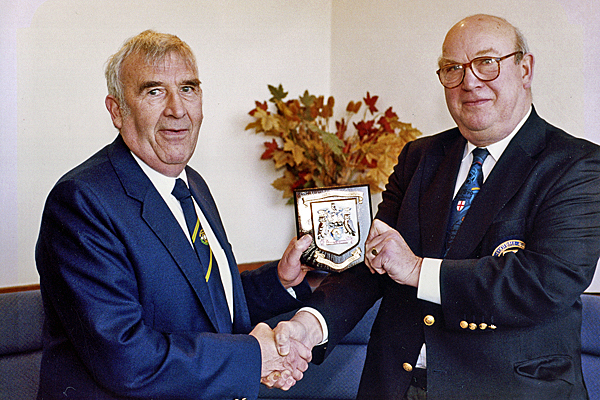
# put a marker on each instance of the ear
(527, 64)
(113, 107)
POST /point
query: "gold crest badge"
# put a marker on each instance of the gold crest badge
(510, 246)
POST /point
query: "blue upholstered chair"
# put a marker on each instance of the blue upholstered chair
(21, 319)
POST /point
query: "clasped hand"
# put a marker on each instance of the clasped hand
(284, 362)
(280, 370)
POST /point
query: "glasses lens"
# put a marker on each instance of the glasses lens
(451, 75)
(486, 69)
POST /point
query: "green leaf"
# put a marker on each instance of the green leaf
(308, 99)
(277, 92)
(332, 141)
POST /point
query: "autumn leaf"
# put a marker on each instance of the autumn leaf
(370, 102)
(389, 114)
(282, 158)
(271, 147)
(278, 93)
(297, 151)
(285, 183)
(308, 99)
(353, 107)
(331, 140)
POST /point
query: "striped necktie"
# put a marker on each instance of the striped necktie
(465, 195)
(205, 254)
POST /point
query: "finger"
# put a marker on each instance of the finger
(297, 247)
(271, 379)
(297, 375)
(282, 338)
(286, 381)
(303, 351)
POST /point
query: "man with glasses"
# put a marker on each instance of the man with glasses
(486, 237)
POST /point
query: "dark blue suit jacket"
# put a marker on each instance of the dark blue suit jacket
(128, 314)
(544, 192)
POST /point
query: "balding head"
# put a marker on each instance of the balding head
(488, 111)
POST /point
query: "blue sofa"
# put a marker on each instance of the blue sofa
(21, 319)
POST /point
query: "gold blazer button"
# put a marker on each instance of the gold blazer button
(407, 367)
(464, 324)
(429, 320)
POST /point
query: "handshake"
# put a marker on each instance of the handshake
(287, 349)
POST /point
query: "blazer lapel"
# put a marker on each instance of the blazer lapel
(161, 221)
(209, 209)
(504, 181)
(441, 168)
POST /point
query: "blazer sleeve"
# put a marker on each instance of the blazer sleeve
(265, 295)
(93, 301)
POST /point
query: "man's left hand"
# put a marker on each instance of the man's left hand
(290, 269)
(388, 253)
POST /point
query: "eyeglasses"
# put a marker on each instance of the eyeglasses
(484, 68)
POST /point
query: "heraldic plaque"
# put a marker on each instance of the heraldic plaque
(338, 219)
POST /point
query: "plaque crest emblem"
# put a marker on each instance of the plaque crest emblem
(338, 219)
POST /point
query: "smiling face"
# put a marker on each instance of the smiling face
(487, 112)
(162, 114)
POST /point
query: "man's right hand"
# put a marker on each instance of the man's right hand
(303, 329)
(280, 371)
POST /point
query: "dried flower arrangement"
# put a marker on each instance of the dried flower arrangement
(313, 155)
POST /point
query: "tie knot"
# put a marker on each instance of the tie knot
(181, 191)
(479, 155)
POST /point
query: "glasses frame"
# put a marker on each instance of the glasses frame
(468, 65)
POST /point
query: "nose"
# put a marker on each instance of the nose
(175, 106)
(470, 80)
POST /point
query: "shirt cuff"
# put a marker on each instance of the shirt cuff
(321, 321)
(429, 281)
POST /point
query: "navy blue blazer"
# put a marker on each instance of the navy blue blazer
(128, 314)
(509, 323)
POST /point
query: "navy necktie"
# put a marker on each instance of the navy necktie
(205, 255)
(465, 195)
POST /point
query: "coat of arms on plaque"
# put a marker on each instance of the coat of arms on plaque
(338, 219)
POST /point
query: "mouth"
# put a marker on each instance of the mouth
(174, 132)
(475, 102)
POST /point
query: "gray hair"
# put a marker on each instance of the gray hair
(155, 47)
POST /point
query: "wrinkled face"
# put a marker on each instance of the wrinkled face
(487, 112)
(162, 114)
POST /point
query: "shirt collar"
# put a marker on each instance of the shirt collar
(164, 184)
(496, 149)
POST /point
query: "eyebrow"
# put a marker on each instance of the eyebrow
(445, 61)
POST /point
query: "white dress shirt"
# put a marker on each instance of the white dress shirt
(164, 185)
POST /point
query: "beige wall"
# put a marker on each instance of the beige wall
(53, 117)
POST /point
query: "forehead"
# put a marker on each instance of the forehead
(138, 68)
(476, 37)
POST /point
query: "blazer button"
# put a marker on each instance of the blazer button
(429, 320)
(472, 326)
(464, 324)
(483, 326)
(407, 367)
